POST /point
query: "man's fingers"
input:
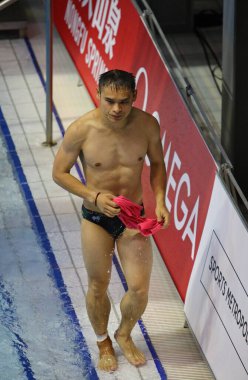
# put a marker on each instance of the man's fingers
(114, 205)
(166, 222)
(111, 211)
(114, 208)
(165, 219)
(111, 203)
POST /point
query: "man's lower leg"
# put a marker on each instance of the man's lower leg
(98, 309)
(132, 307)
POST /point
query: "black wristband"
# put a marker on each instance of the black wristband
(97, 195)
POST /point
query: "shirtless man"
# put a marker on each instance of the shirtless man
(112, 142)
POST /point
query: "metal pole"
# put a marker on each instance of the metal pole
(49, 73)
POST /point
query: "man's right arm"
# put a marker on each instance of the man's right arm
(65, 159)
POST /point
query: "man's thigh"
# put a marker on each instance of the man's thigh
(135, 253)
(97, 249)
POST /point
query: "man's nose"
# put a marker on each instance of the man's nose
(117, 107)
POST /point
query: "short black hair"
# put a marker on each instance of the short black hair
(117, 79)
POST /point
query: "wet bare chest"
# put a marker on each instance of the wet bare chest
(110, 151)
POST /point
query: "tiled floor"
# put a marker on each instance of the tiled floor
(23, 105)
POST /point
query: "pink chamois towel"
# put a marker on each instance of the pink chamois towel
(130, 216)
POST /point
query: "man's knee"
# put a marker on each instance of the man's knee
(139, 293)
(98, 288)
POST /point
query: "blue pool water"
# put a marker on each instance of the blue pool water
(40, 337)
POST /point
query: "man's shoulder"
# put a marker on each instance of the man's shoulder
(83, 123)
(78, 130)
(144, 117)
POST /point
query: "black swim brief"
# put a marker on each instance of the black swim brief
(113, 226)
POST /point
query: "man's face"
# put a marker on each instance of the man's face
(116, 104)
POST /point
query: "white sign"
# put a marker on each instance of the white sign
(216, 303)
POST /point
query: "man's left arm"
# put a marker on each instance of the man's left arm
(158, 172)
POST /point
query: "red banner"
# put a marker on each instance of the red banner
(109, 34)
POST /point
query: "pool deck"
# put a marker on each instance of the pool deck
(170, 348)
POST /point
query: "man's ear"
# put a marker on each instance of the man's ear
(134, 95)
(98, 93)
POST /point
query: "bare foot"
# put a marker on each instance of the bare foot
(130, 351)
(107, 359)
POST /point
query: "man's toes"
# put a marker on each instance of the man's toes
(139, 361)
(107, 363)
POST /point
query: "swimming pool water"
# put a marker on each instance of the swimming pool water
(39, 338)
